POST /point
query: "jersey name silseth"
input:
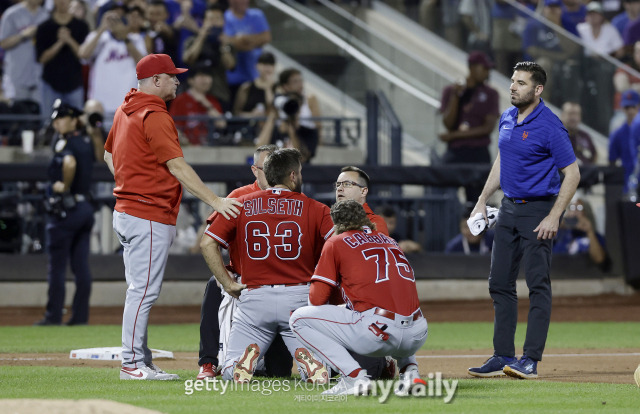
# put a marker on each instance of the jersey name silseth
(274, 206)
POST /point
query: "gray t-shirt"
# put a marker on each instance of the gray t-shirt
(21, 70)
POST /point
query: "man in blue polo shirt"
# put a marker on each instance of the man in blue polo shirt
(533, 148)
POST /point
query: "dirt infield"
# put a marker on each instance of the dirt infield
(566, 365)
(565, 309)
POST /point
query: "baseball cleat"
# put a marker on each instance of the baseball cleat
(636, 376)
(146, 372)
(408, 380)
(313, 369)
(492, 367)
(243, 371)
(389, 371)
(525, 368)
(360, 385)
(207, 370)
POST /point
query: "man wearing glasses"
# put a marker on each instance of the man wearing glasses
(217, 311)
(353, 184)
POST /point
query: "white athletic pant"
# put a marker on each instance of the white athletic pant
(260, 314)
(329, 331)
(146, 249)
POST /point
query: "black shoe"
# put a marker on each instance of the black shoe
(74, 323)
(46, 322)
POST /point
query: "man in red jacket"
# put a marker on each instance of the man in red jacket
(143, 153)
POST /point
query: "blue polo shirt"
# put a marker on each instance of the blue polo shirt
(532, 152)
(253, 22)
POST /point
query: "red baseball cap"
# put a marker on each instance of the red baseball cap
(480, 58)
(156, 64)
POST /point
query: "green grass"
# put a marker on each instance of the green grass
(473, 396)
(185, 337)
(476, 396)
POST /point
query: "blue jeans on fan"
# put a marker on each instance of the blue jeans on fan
(49, 95)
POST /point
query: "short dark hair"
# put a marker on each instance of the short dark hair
(267, 58)
(158, 3)
(349, 215)
(269, 148)
(538, 75)
(286, 74)
(361, 174)
(279, 165)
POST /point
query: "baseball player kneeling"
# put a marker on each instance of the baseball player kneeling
(383, 315)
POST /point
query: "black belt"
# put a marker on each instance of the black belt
(525, 200)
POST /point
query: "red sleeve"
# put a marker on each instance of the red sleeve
(326, 226)
(319, 293)
(327, 268)
(222, 230)
(162, 136)
(381, 225)
(213, 101)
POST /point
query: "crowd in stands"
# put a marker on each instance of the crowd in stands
(76, 50)
(79, 50)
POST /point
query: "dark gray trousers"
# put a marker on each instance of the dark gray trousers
(515, 242)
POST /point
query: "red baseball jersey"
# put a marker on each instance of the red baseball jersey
(381, 225)
(371, 270)
(234, 260)
(278, 236)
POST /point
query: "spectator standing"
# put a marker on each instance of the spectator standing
(113, 53)
(573, 13)
(476, 17)
(161, 36)
(622, 81)
(21, 70)
(469, 113)
(542, 44)
(631, 13)
(199, 102)
(506, 34)
(208, 49)
(246, 30)
(620, 142)
(57, 43)
(581, 141)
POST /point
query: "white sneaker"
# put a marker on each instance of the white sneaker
(360, 385)
(408, 380)
(146, 372)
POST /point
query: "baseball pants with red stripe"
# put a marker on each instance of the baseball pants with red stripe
(329, 331)
(146, 249)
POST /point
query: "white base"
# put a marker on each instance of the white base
(112, 354)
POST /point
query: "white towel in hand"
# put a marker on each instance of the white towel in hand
(477, 224)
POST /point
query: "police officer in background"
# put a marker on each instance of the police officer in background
(70, 215)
